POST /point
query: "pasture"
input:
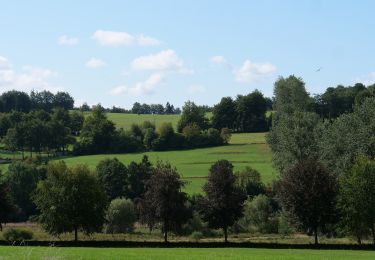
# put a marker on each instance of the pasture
(247, 149)
(9, 252)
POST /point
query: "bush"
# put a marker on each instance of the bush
(17, 234)
(196, 236)
(120, 216)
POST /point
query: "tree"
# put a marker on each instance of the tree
(6, 205)
(250, 182)
(163, 196)
(23, 178)
(139, 174)
(226, 135)
(15, 100)
(223, 202)
(294, 138)
(191, 113)
(169, 109)
(113, 175)
(63, 100)
(70, 199)
(308, 192)
(120, 216)
(357, 198)
(290, 95)
(42, 100)
(251, 112)
(224, 114)
(76, 122)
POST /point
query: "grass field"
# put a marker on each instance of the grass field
(9, 252)
(243, 150)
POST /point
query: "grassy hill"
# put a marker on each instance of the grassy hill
(244, 150)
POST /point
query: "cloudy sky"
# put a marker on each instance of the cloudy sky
(119, 52)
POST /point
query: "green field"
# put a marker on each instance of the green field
(126, 120)
(243, 150)
(9, 252)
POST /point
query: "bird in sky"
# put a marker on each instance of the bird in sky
(318, 69)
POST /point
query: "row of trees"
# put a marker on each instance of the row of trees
(45, 100)
(39, 131)
(325, 165)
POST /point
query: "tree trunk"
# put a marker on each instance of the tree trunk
(226, 234)
(373, 233)
(165, 231)
(75, 234)
(316, 235)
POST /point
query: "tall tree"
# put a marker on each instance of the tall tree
(191, 113)
(290, 95)
(139, 174)
(357, 198)
(113, 175)
(224, 201)
(224, 114)
(163, 196)
(63, 100)
(6, 205)
(70, 199)
(308, 192)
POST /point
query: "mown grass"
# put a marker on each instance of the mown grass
(249, 149)
(9, 252)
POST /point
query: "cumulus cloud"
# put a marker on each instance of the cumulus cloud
(196, 89)
(27, 79)
(218, 60)
(115, 39)
(251, 71)
(140, 88)
(95, 63)
(67, 40)
(164, 60)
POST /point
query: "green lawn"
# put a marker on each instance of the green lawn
(9, 252)
(244, 150)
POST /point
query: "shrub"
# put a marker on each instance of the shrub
(226, 134)
(120, 216)
(17, 234)
(196, 236)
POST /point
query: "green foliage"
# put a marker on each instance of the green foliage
(308, 192)
(249, 180)
(70, 199)
(223, 202)
(17, 235)
(294, 138)
(120, 216)
(191, 113)
(357, 197)
(291, 95)
(6, 204)
(225, 134)
(23, 178)
(113, 175)
(224, 114)
(138, 175)
(260, 215)
(196, 236)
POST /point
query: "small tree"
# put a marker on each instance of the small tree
(357, 198)
(113, 175)
(120, 216)
(164, 197)
(70, 199)
(191, 113)
(249, 180)
(223, 203)
(308, 192)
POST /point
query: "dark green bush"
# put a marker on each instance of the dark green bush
(17, 234)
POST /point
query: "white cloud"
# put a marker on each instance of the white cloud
(140, 88)
(95, 63)
(113, 38)
(251, 71)
(164, 60)
(67, 40)
(218, 60)
(147, 41)
(27, 79)
(196, 89)
(367, 80)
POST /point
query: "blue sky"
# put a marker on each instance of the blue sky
(119, 52)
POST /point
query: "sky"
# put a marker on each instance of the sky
(120, 52)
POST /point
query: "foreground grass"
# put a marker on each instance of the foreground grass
(248, 149)
(9, 252)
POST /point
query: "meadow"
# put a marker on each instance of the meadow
(9, 252)
(245, 149)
